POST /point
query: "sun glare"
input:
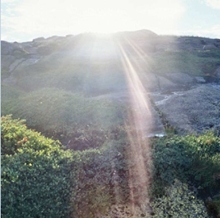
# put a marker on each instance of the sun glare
(103, 20)
(46, 18)
(138, 127)
(108, 17)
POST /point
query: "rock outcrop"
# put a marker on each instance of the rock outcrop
(194, 110)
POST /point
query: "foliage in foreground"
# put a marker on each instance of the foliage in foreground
(190, 159)
(39, 179)
(179, 201)
(185, 174)
(35, 173)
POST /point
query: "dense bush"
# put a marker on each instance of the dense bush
(35, 173)
(205, 154)
(179, 201)
(190, 159)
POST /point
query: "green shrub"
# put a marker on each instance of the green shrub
(194, 160)
(194, 157)
(36, 173)
(204, 151)
(170, 162)
(178, 201)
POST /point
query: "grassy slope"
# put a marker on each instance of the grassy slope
(58, 112)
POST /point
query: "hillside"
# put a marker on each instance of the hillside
(172, 71)
(121, 125)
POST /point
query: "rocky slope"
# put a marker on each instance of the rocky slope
(180, 75)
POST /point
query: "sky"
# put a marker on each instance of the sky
(25, 20)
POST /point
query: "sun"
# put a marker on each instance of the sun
(46, 18)
(114, 16)
(104, 20)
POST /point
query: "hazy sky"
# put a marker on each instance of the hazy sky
(24, 20)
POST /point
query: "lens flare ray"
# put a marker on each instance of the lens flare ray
(138, 151)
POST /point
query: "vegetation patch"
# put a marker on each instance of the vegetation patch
(188, 165)
(60, 114)
(41, 178)
(35, 174)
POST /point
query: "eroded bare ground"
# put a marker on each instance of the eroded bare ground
(194, 110)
